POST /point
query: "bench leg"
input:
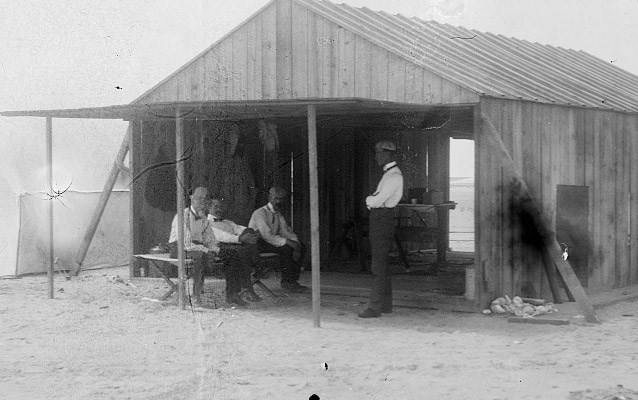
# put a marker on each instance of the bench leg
(172, 286)
(259, 283)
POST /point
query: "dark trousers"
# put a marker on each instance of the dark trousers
(200, 260)
(236, 274)
(382, 228)
(290, 269)
(239, 260)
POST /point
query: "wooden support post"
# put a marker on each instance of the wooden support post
(527, 204)
(314, 214)
(179, 182)
(134, 158)
(101, 204)
(49, 189)
(552, 278)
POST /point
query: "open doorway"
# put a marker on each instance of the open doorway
(462, 193)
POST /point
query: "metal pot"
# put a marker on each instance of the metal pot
(159, 249)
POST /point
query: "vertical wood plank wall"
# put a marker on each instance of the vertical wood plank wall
(554, 145)
(289, 52)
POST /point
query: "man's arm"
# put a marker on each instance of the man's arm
(286, 231)
(210, 241)
(385, 190)
(188, 241)
(259, 222)
(225, 237)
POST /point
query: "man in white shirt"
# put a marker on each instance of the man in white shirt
(382, 227)
(237, 239)
(201, 246)
(277, 237)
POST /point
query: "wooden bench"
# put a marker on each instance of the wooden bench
(155, 259)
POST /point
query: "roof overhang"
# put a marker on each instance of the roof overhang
(231, 110)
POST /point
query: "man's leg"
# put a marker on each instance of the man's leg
(296, 269)
(381, 233)
(199, 260)
(233, 270)
(198, 269)
(287, 263)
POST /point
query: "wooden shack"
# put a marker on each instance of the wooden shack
(568, 120)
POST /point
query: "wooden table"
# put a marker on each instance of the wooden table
(426, 230)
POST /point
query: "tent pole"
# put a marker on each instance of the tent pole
(49, 189)
(101, 205)
(179, 151)
(314, 214)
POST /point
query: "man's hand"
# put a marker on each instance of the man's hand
(248, 236)
(296, 247)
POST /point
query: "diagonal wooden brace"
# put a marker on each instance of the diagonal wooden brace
(530, 206)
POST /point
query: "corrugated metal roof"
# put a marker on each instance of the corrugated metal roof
(489, 64)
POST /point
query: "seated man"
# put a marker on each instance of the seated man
(201, 246)
(277, 237)
(237, 240)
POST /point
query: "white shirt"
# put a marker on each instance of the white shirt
(272, 226)
(195, 229)
(389, 190)
(226, 231)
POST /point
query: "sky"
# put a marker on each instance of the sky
(74, 53)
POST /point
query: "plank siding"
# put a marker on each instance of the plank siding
(268, 54)
(312, 41)
(283, 48)
(607, 198)
(324, 43)
(239, 75)
(333, 60)
(300, 50)
(517, 259)
(396, 78)
(622, 203)
(555, 145)
(632, 127)
(363, 68)
(507, 135)
(591, 176)
(345, 63)
(379, 73)
(287, 51)
(413, 84)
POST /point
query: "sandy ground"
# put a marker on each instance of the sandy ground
(103, 338)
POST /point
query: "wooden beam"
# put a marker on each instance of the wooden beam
(179, 182)
(552, 278)
(49, 189)
(314, 215)
(527, 204)
(101, 204)
(135, 196)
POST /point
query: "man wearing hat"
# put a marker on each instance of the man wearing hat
(276, 236)
(382, 226)
(201, 246)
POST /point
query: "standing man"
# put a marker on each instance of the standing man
(382, 226)
(201, 246)
(277, 237)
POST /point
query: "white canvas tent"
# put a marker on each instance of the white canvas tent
(83, 153)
